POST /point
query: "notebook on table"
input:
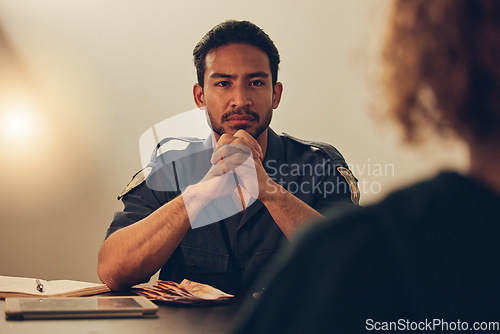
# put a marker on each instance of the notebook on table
(30, 287)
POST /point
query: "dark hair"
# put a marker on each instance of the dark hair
(442, 67)
(232, 31)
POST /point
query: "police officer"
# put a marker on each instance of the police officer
(217, 210)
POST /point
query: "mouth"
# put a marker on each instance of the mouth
(240, 119)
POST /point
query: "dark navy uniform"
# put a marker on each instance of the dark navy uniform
(230, 253)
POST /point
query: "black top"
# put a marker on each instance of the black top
(228, 254)
(430, 251)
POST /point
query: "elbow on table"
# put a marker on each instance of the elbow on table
(110, 280)
(108, 274)
(106, 278)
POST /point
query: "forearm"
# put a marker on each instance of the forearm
(288, 211)
(131, 255)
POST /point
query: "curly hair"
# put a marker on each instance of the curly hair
(442, 67)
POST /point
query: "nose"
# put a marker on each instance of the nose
(240, 96)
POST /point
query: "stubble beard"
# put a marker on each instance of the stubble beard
(217, 127)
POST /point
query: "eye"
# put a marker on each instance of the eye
(257, 83)
(222, 83)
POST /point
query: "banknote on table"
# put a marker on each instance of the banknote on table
(187, 292)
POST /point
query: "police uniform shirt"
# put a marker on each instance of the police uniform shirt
(229, 254)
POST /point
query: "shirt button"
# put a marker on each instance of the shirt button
(192, 266)
(242, 270)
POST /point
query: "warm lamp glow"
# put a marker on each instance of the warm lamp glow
(19, 122)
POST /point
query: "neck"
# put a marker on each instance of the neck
(485, 164)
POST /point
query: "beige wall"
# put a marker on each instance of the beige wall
(98, 73)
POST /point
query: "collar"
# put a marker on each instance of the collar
(275, 149)
(275, 153)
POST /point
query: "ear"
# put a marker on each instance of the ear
(199, 98)
(278, 90)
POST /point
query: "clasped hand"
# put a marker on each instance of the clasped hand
(234, 163)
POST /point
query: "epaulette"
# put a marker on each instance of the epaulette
(328, 149)
(165, 145)
(335, 155)
(173, 143)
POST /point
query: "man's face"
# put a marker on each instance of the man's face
(238, 92)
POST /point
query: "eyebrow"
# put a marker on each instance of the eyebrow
(218, 75)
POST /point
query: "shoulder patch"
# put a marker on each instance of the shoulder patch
(137, 179)
(330, 150)
(352, 182)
